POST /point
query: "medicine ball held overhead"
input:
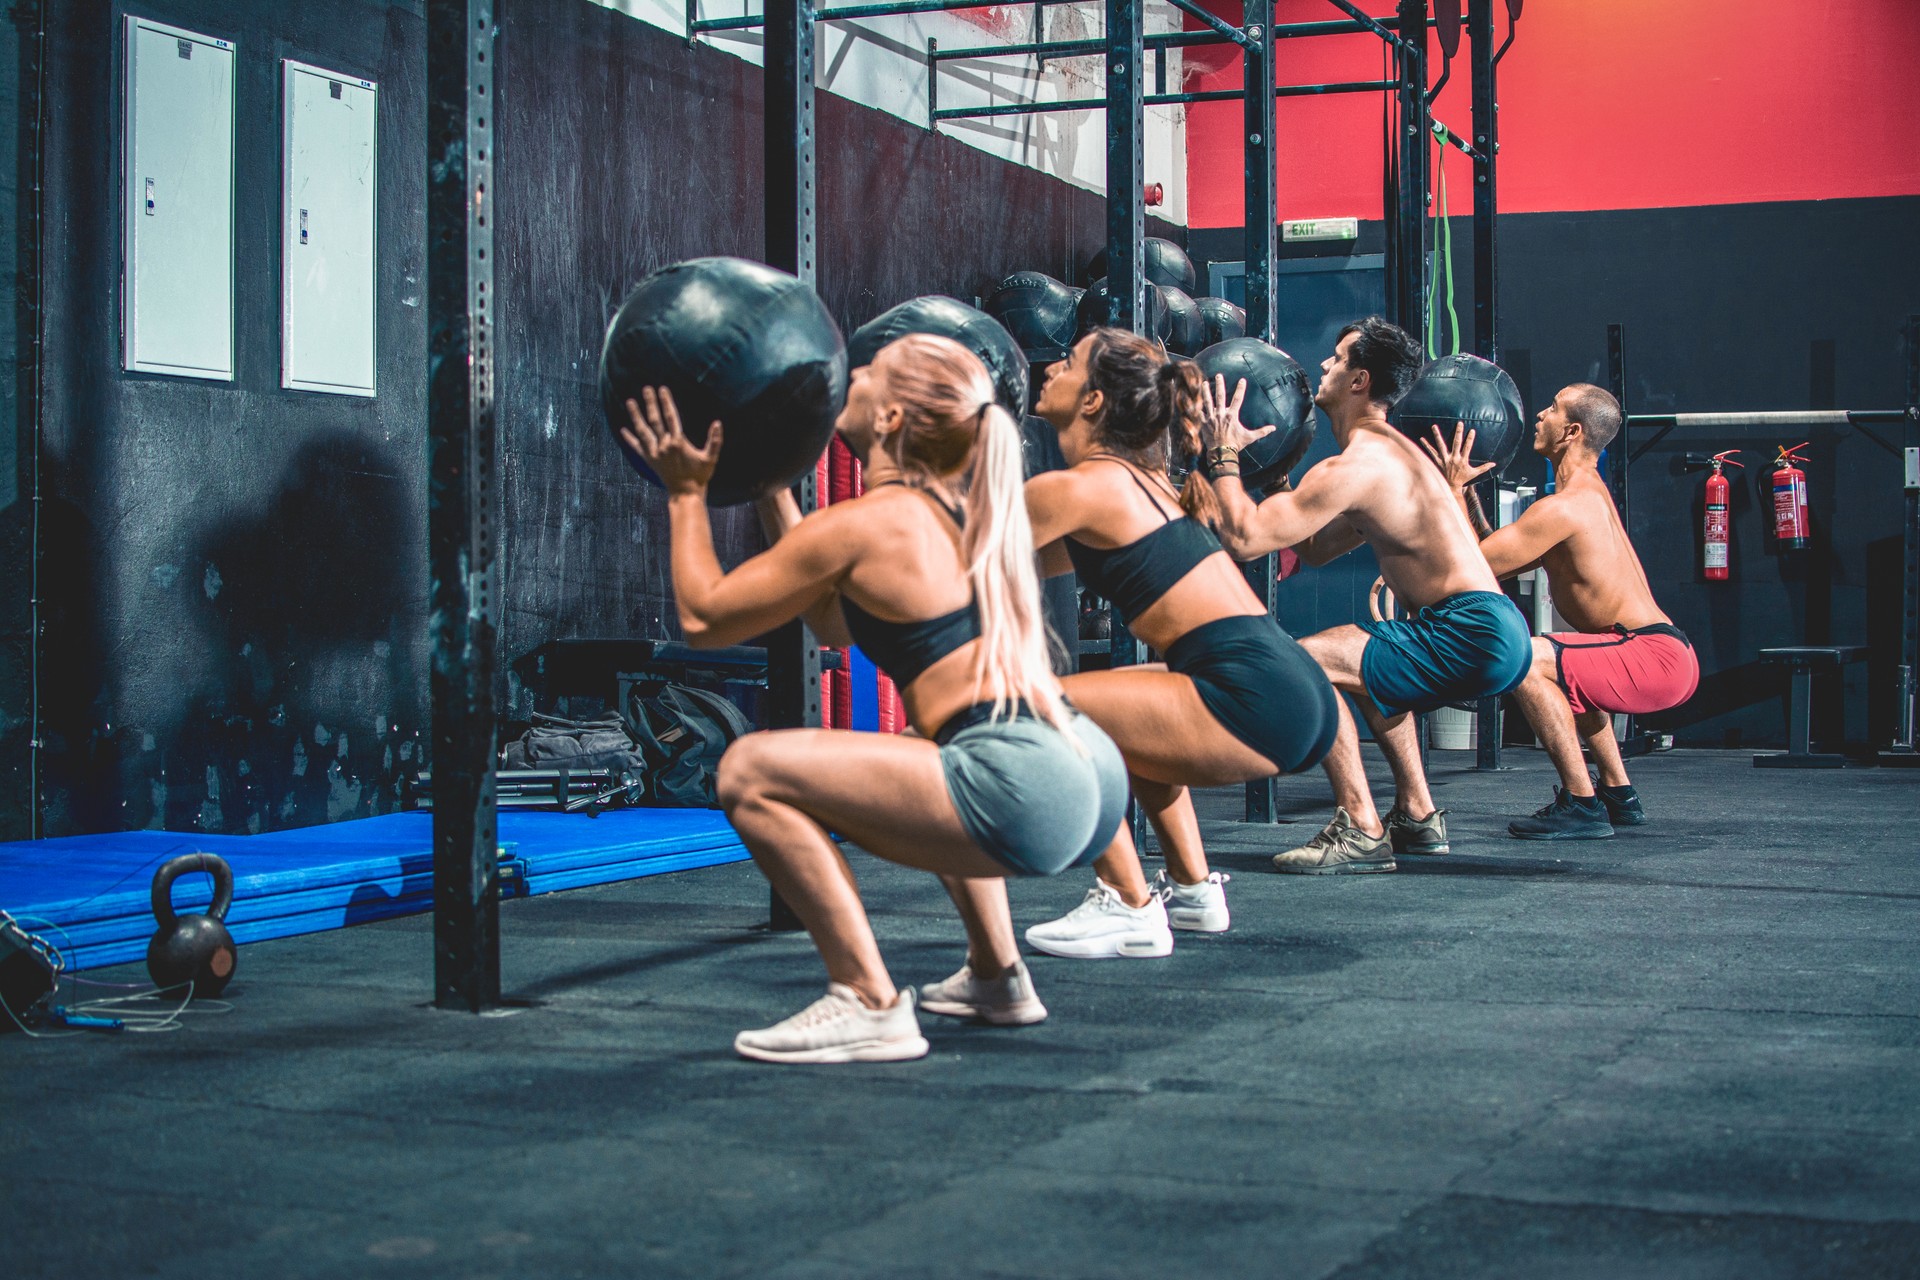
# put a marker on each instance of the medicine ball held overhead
(1465, 388)
(1278, 396)
(1093, 311)
(1039, 311)
(1167, 263)
(1222, 318)
(947, 317)
(741, 342)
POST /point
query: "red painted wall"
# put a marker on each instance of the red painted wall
(1605, 104)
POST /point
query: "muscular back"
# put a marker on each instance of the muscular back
(1592, 569)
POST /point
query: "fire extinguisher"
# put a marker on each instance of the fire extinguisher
(1714, 553)
(1790, 501)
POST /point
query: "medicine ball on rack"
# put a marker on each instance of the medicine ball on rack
(947, 317)
(1278, 396)
(741, 342)
(1093, 311)
(1222, 318)
(1186, 329)
(192, 948)
(1466, 388)
(1039, 311)
(1167, 263)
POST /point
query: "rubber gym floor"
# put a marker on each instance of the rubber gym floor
(1690, 1050)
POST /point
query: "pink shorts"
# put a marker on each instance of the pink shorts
(1630, 672)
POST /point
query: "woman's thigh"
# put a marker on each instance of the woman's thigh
(886, 793)
(1163, 729)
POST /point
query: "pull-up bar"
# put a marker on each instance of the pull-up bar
(1152, 99)
(1859, 418)
(697, 25)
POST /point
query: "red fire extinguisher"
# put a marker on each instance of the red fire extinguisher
(1790, 501)
(1714, 554)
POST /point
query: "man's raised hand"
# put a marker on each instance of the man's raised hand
(1455, 458)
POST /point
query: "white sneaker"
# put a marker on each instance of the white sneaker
(1104, 926)
(1201, 907)
(839, 1028)
(1005, 1001)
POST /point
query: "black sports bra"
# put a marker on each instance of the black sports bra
(906, 649)
(1133, 577)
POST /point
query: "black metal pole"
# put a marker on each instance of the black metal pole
(1619, 457)
(1411, 211)
(1260, 211)
(30, 18)
(1485, 330)
(1126, 242)
(463, 501)
(1126, 167)
(1907, 674)
(1261, 184)
(1619, 452)
(793, 654)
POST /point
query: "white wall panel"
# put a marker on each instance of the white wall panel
(177, 214)
(329, 167)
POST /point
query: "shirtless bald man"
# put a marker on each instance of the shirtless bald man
(1626, 656)
(1465, 639)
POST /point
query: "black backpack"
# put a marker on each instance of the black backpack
(682, 732)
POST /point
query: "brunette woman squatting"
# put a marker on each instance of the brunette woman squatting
(931, 573)
(1236, 698)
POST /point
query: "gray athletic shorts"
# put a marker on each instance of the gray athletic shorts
(1034, 804)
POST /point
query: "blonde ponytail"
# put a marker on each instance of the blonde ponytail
(950, 424)
(998, 546)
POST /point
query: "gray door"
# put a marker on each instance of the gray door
(1314, 298)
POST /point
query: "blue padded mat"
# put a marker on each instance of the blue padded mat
(95, 890)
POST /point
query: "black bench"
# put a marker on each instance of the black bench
(1803, 661)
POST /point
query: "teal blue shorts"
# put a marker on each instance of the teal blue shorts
(1471, 645)
(1033, 802)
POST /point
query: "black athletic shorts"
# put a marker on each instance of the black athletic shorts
(1262, 687)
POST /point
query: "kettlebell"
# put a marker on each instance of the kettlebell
(192, 948)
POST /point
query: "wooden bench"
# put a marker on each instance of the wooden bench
(1803, 661)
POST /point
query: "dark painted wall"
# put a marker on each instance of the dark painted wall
(231, 573)
(623, 151)
(234, 579)
(1757, 306)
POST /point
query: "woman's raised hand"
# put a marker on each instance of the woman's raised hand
(1455, 458)
(1220, 425)
(653, 435)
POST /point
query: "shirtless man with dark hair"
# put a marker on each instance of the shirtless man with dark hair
(1465, 639)
(1626, 656)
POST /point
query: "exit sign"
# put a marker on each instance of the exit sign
(1321, 229)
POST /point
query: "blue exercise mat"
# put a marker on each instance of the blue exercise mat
(91, 895)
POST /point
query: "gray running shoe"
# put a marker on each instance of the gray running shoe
(1006, 1001)
(839, 1028)
(1341, 849)
(1423, 837)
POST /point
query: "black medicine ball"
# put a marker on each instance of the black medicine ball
(1222, 319)
(947, 317)
(741, 342)
(1167, 263)
(1093, 311)
(1186, 328)
(1464, 388)
(1039, 311)
(1278, 396)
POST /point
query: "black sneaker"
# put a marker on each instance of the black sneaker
(1569, 817)
(1623, 805)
